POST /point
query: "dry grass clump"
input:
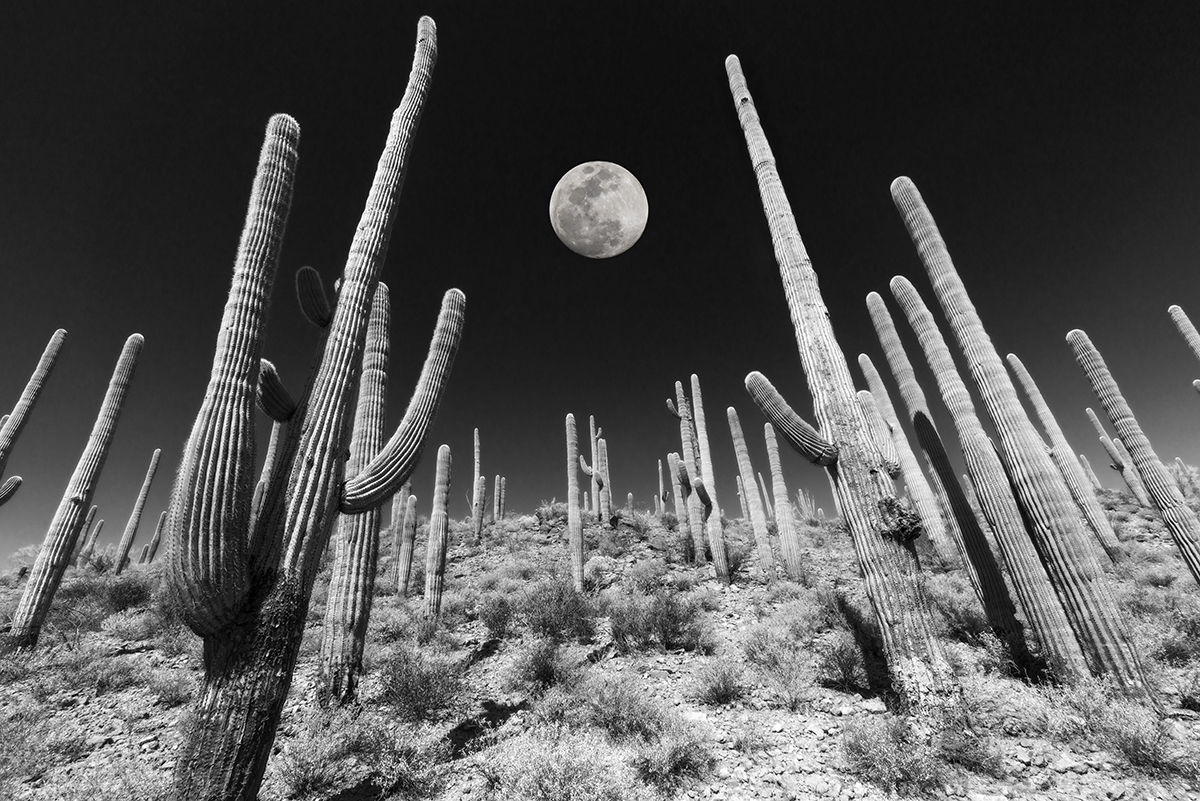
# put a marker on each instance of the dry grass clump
(840, 664)
(496, 612)
(781, 659)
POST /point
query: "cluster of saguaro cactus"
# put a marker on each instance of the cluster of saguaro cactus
(1055, 523)
(695, 479)
(59, 544)
(882, 537)
(12, 423)
(1120, 461)
(246, 591)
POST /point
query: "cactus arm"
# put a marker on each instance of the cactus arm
(395, 463)
(59, 544)
(1186, 328)
(9, 488)
(1181, 520)
(208, 518)
(271, 395)
(13, 422)
(758, 518)
(799, 434)
(881, 433)
(671, 408)
(310, 292)
(135, 517)
(587, 471)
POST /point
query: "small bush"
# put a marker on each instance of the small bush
(131, 589)
(960, 609)
(115, 674)
(840, 664)
(542, 665)
(172, 689)
(416, 686)
(496, 613)
(882, 750)
(678, 754)
(781, 661)
(646, 576)
(664, 620)
(131, 626)
(623, 709)
(551, 608)
(540, 766)
(719, 683)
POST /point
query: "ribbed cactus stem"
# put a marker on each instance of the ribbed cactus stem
(1090, 473)
(574, 513)
(785, 520)
(435, 546)
(678, 491)
(1190, 334)
(59, 544)
(758, 518)
(1120, 463)
(918, 666)
(1181, 520)
(606, 495)
(805, 439)
(662, 491)
(496, 499)
(408, 536)
(84, 529)
(14, 421)
(152, 549)
(595, 451)
(477, 509)
(945, 534)
(503, 493)
(89, 544)
(356, 554)
(1068, 465)
(881, 433)
(768, 503)
(135, 517)
(742, 496)
(310, 292)
(1056, 526)
(1044, 612)
(705, 460)
(689, 473)
(395, 532)
(475, 503)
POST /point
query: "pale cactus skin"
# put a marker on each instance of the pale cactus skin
(1120, 462)
(135, 517)
(12, 423)
(574, 513)
(439, 528)
(754, 500)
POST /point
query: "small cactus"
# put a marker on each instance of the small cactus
(89, 543)
(135, 517)
(758, 518)
(152, 550)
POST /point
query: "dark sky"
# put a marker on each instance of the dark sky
(1056, 144)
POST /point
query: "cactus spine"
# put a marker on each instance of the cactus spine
(408, 537)
(59, 545)
(1068, 465)
(157, 538)
(945, 534)
(435, 545)
(356, 554)
(919, 670)
(574, 515)
(1180, 518)
(785, 520)
(135, 517)
(246, 592)
(12, 423)
(758, 519)
(1122, 465)
(1056, 527)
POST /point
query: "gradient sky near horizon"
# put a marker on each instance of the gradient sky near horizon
(1054, 143)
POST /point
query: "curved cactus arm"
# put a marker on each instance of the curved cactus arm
(671, 408)
(310, 292)
(12, 423)
(208, 518)
(583, 465)
(881, 433)
(702, 492)
(1181, 520)
(9, 488)
(271, 395)
(388, 471)
(805, 439)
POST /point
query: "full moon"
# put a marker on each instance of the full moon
(598, 209)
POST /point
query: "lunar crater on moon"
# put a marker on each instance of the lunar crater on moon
(598, 209)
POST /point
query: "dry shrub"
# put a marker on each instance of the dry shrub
(665, 620)
(719, 682)
(417, 686)
(551, 766)
(543, 664)
(552, 608)
(840, 664)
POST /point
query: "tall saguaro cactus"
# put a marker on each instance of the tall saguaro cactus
(246, 591)
(59, 545)
(918, 667)
(1064, 457)
(785, 520)
(1125, 467)
(408, 539)
(1163, 491)
(157, 538)
(758, 518)
(574, 515)
(12, 423)
(356, 554)
(1056, 526)
(703, 514)
(135, 517)
(476, 502)
(435, 544)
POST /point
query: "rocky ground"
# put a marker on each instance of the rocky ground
(97, 711)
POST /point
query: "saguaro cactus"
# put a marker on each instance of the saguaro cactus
(662, 491)
(59, 545)
(157, 538)
(785, 521)
(476, 503)
(595, 508)
(1180, 519)
(477, 509)
(1056, 526)
(14, 421)
(89, 544)
(919, 669)
(83, 532)
(574, 515)
(135, 517)
(1090, 473)
(246, 592)
(496, 499)
(356, 555)
(435, 545)
(1119, 463)
(1186, 328)
(503, 493)
(1068, 465)
(408, 538)
(741, 491)
(1044, 611)
(700, 507)
(758, 518)
(396, 532)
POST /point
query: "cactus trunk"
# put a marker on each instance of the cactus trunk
(785, 520)
(157, 538)
(1090, 473)
(435, 545)
(758, 518)
(574, 515)
(1180, 518)
(477, 510)
(396, 532)
(59, 545)
(1122, 465)
(408, 537)
(135, 517)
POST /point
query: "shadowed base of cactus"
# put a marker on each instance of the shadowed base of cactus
(247, 673)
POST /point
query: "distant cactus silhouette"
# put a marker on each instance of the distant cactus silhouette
(135, 517)
(157, 538)
(59, 544)
(1181, 520)
(12, 423)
